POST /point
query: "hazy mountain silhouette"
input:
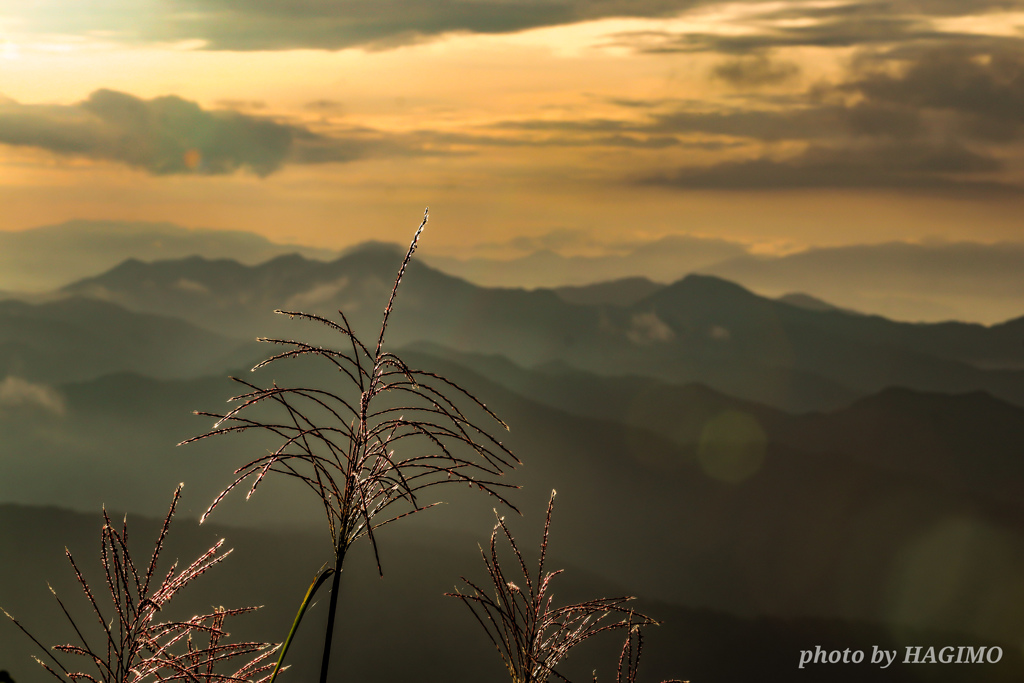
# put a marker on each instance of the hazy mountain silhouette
(53, 255)
(970, 442)
(624, 292)
(801, 300)
(723, 324)
(663, 260)
(918, 282)
(894, 497)
(234, 299)
(741, 520)
(402, 628)
(79, 338)
(528, 326)
(931, 282)
(700, 328)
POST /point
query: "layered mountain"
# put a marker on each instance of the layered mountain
(969, 442)
(759, 514)
(51, 256)
(622, 292)
(79, 338)
(401, 628)
(931, 281)
(710, 494)
(698, 329)
(663, 260)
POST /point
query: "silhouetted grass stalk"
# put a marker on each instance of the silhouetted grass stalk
(531, 635)
(135, 647)
(344, 448)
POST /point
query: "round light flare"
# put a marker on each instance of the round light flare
(192, 159)
(732, 447)
(960, 573)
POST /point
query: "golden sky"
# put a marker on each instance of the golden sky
(777, 124)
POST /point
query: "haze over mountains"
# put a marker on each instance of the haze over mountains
(761, 460)
(78, 338)
(698, 329)
(930, 282)
(785, 509)
(50, 256)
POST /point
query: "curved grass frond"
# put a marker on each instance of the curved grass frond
(348, 444)
(136, 646)
(530, 633)
(344, 445)
(629, 658)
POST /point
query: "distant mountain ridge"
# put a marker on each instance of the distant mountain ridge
(700, 328)
(51, 256)
(711, 447)
(682, 528)
(622, 292)
(971, 441)
(746, 508)
(663, 260)
(931, 281)
(81, 338)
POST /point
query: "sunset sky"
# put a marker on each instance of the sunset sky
(569, 124)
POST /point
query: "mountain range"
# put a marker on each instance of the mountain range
(726, 505)
(77, 338)
(928, 282)
(780, 473)
(47, 257)
(919, 282)
(700, 328)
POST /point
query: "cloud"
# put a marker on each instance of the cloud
(386, 24)
(983, 85)
(646, 329)
(164, 135)
(800, 120)
(325, 105)
(383, 24)
(888, 165)
(931, 121)
(934, 118)
(242, 104)
(549, 134)
(755, 71)
(375, 24)
(170, 135)
(856, 24)
(17, 393)
(553, 240)
(319, 24)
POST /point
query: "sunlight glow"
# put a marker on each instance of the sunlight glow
(1008, 24)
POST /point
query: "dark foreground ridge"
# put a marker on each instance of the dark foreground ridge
(436, 640)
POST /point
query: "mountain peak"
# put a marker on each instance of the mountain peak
(374, 247)
(708, 289)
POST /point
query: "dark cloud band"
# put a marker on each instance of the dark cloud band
(381, 24)
(164, 135)
(170, 135)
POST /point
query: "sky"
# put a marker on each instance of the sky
(522, 124)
